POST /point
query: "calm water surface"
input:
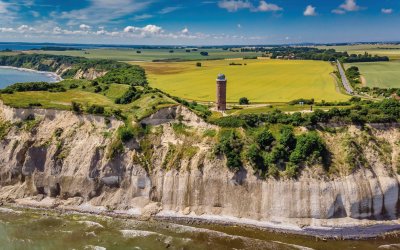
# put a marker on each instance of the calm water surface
(9, 76)
(34, 229)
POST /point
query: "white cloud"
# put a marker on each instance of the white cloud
(347, 6)
(185, 31)
(142, 17)
(387, 11)
(146, 31)
(35, 13)
(264, 7)
(25, 28)
(350, 5)
(4, 7)
(310, 11)
(338, 11)
(169, 10)
(103, 11)
(84, 27)
(235, 5)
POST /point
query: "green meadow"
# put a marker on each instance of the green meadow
(380, 74)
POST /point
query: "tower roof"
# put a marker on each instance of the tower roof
(221, 77)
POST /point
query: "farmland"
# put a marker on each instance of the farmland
(390, 50)
(380, 74)
(121, 54)
(259, 80)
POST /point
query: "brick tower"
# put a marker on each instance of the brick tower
(221, 92)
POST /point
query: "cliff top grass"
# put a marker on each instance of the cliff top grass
(86, 95)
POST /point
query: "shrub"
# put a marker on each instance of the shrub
(125, 133)
(287, 137)
(265, 139)
(253, 155)
(231, 146)
(244, 101)
(198, 64)
(308, 146)
(76, 107)
(95, 109)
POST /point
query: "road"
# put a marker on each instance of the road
(345, 82)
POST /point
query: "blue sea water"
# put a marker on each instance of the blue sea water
(9, 76)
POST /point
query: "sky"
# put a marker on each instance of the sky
(199, 22)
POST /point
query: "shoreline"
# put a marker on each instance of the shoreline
(55, 77)
(373, 230)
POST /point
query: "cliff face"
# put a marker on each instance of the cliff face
(61, 159)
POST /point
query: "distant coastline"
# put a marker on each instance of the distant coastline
(53, 76)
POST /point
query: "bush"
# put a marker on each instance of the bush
(198, 64)
(204, 53)
(231, 146)
(125, 133)
(309, 146)
(287, 137)
(76, 107)
(95, 109)
(265, 139)
(253, 155)
(244, 101)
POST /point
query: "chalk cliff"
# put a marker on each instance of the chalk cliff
(61, 159)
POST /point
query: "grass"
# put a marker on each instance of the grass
(390, 50)
(260, 80)
(121, 54)
(143, 107)
(380, 74)
(280, 106)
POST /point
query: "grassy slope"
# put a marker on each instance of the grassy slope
(259, 80)
(62, 100)
(150, 54)
(380, 74)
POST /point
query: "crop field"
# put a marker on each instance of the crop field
(261, 81)
(151, 54)
(389, 50)
(380, 74)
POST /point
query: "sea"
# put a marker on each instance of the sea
(9, 75)
(50, 229)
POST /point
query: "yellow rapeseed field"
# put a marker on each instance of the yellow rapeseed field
(259, 80)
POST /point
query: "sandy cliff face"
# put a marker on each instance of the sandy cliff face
(60, 159)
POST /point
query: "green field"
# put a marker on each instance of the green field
(260, 80)
(62, 100)
(151, 54)
(389, 50)
(380, 74)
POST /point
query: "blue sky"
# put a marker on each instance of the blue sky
(202, 22)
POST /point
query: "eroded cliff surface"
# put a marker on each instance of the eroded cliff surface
(61, 159)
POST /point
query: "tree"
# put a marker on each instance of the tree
(231, 146)
(265, 139)
(198, 64)
(287, 138)
(204, 53)
(244, 101)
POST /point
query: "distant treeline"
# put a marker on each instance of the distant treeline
(310, 53)
(117, 72)
(50, 48)
(365, 58)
